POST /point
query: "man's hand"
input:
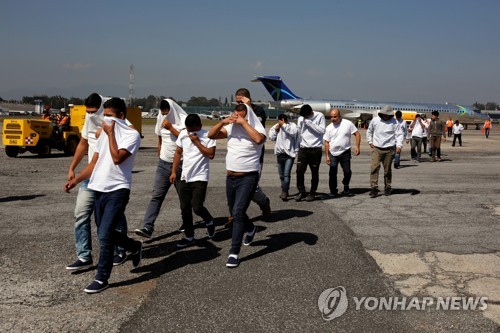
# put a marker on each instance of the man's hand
(172, 177)
(327, 160)
(98, 133)
(398, 150)
(108, 129)
(372, 146)
(69, 185)
(71, 175)
(194, 137)
(240, 120)
(246, 101)
(166, 124)
(356, 151)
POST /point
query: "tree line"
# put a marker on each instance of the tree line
(146, 103)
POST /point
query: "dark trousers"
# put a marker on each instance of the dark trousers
(239, 192)
(109, 212)
(455, 137)
(192, 196)
(450, 131)
(344, 160)
(487, 132)
(416, 147)
(308, 157)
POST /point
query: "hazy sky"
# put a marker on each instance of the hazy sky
(408, 51)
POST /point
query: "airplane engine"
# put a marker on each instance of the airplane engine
(321, 107)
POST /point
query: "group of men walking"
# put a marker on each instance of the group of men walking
(184, 153)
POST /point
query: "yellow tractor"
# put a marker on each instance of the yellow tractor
(40, 137)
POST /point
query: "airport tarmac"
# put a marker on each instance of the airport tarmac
(436, 236)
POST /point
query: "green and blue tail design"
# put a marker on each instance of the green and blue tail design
(276, 87)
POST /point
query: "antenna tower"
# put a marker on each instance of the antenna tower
(131, 85)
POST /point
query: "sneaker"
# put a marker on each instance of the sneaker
(96, 287)
(387, 191)
(143, 232)
(181, 228)
(249, 237)
(266, 209)
(79, 264)
(137, 256)
(300, 196)
(310, 197)
(119, 258)
(373, 193)
(232, 261)
(185, 242)
(211, 229)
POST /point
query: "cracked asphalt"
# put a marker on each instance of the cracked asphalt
(437, 235)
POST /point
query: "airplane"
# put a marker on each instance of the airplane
(353, 110)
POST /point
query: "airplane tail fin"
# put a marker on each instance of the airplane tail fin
(276, 87)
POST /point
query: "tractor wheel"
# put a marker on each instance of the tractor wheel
(12, 151)
(44, 150)
(70, 147)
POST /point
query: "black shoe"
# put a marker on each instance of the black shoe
(249, 237)
(300, 196)
(119, 258)
(387, 191)
(284, 196)
(310, 197)
(143, 232)
(181, 228)
(96, 287)
(347, 193)
(232, 261)
(373, 193)
(79, 264)
(137, 256)
(185, 242)
(211, 229)
(266, 209)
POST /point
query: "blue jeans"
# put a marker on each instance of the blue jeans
(109, 213)
(239, 192)
(83, 212)
(344, 160)
(397, 159)
(285, 164)
(160, 188)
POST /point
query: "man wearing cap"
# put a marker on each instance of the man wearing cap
(385, 138)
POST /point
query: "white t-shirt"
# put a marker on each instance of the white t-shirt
(312, 130)
(418, 130)
(457, 129)
(168, 145)
(286, 139)
(243, 154)
(195, 165)
(107, 176)
(339, 136)
(92, 123)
